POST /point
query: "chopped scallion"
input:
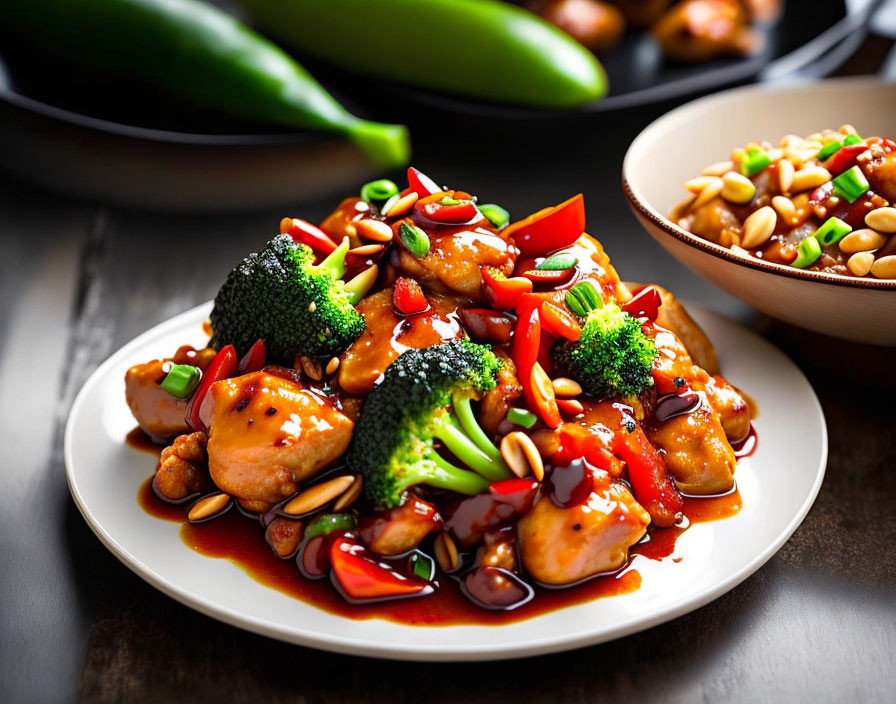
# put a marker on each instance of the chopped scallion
(828, 150)
(558, 262)
(852, 139)
(520, 416)
(495, 214)
(415, 239)
(181, 380)
(851, 184)
(583, 298)
(755, 161)
(832, 231)
(809, 252)
(328, 522)
(378, 191)
(422, 566)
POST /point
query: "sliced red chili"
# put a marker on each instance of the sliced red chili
(363, 579)
(222, 367)
(645, 304)
(253, 360)
(502, 292)
(454, 213)
(559, 323)
(549, 229)
(421, 184)
(487, 325)
(844, 158)
(303, 232)
(407, 296)
(647, 473)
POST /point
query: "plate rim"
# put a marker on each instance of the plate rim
(346, 645)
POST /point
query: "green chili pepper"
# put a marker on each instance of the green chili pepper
(481, 49)
(852, 139)
(829, 149)
(851, 184)
(328, 522)
(832, 231)
(756, 161)
(422, 565)
(195, 51)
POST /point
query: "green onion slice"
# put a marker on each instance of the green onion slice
(829, 150)
(520, 416)
(495, 214)
(415, 239)
(422, 566)
(832, 231)
(328, 522)
(851, 184)
(852, 139)
(447, 200)
(558, 262)
(583, 298)
(181, 380)
(755, 161)
(809, 252)
(377, 191)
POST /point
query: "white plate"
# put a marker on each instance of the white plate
(778, 485)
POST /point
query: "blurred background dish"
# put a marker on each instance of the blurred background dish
(860, 309)
(87, 136)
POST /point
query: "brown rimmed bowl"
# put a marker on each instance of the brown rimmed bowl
(679, 145)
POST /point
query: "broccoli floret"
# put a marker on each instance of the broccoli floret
(280, 296)
(425, 396)
(613, 357)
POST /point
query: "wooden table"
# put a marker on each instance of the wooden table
(77, 280)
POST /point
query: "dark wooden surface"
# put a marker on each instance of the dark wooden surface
(77, 280)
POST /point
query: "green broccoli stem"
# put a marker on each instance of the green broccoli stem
(464, 412)
(441, 474)
(335, 260)
(467, 451)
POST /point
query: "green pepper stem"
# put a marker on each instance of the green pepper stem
(335, 260)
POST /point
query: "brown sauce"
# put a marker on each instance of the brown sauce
(241, 540)
(139, 440)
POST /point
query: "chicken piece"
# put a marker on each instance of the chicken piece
(731, 406)
(596, 25)
(673, 317)
(161, 415)
(641, 13)
(878, 163)
(388, 334)
(340, 223)
(566, 545)
(495, 404)
(700, 30)
(451, 266)
(181, 471)
(697, 453)
(269, 433)
(284, 536)
(400, 530)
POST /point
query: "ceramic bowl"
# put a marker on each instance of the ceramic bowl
(680, 144)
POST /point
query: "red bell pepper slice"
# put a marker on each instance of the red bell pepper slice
(407, 296)
(363, 579)
(559, 323)
(421, 184)
(549, 229)
(511, 488)
(222, 367)
(503, 293)
(253, 360)
(647, 473)
(844, 158)
(452, 214)
(303, 232)
(526, 340)
(645, 304)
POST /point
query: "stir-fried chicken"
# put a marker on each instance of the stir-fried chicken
(401, 529)
(182, 468)
(268, 434)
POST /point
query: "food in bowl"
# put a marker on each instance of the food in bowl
(821, 203)
(419, 396)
